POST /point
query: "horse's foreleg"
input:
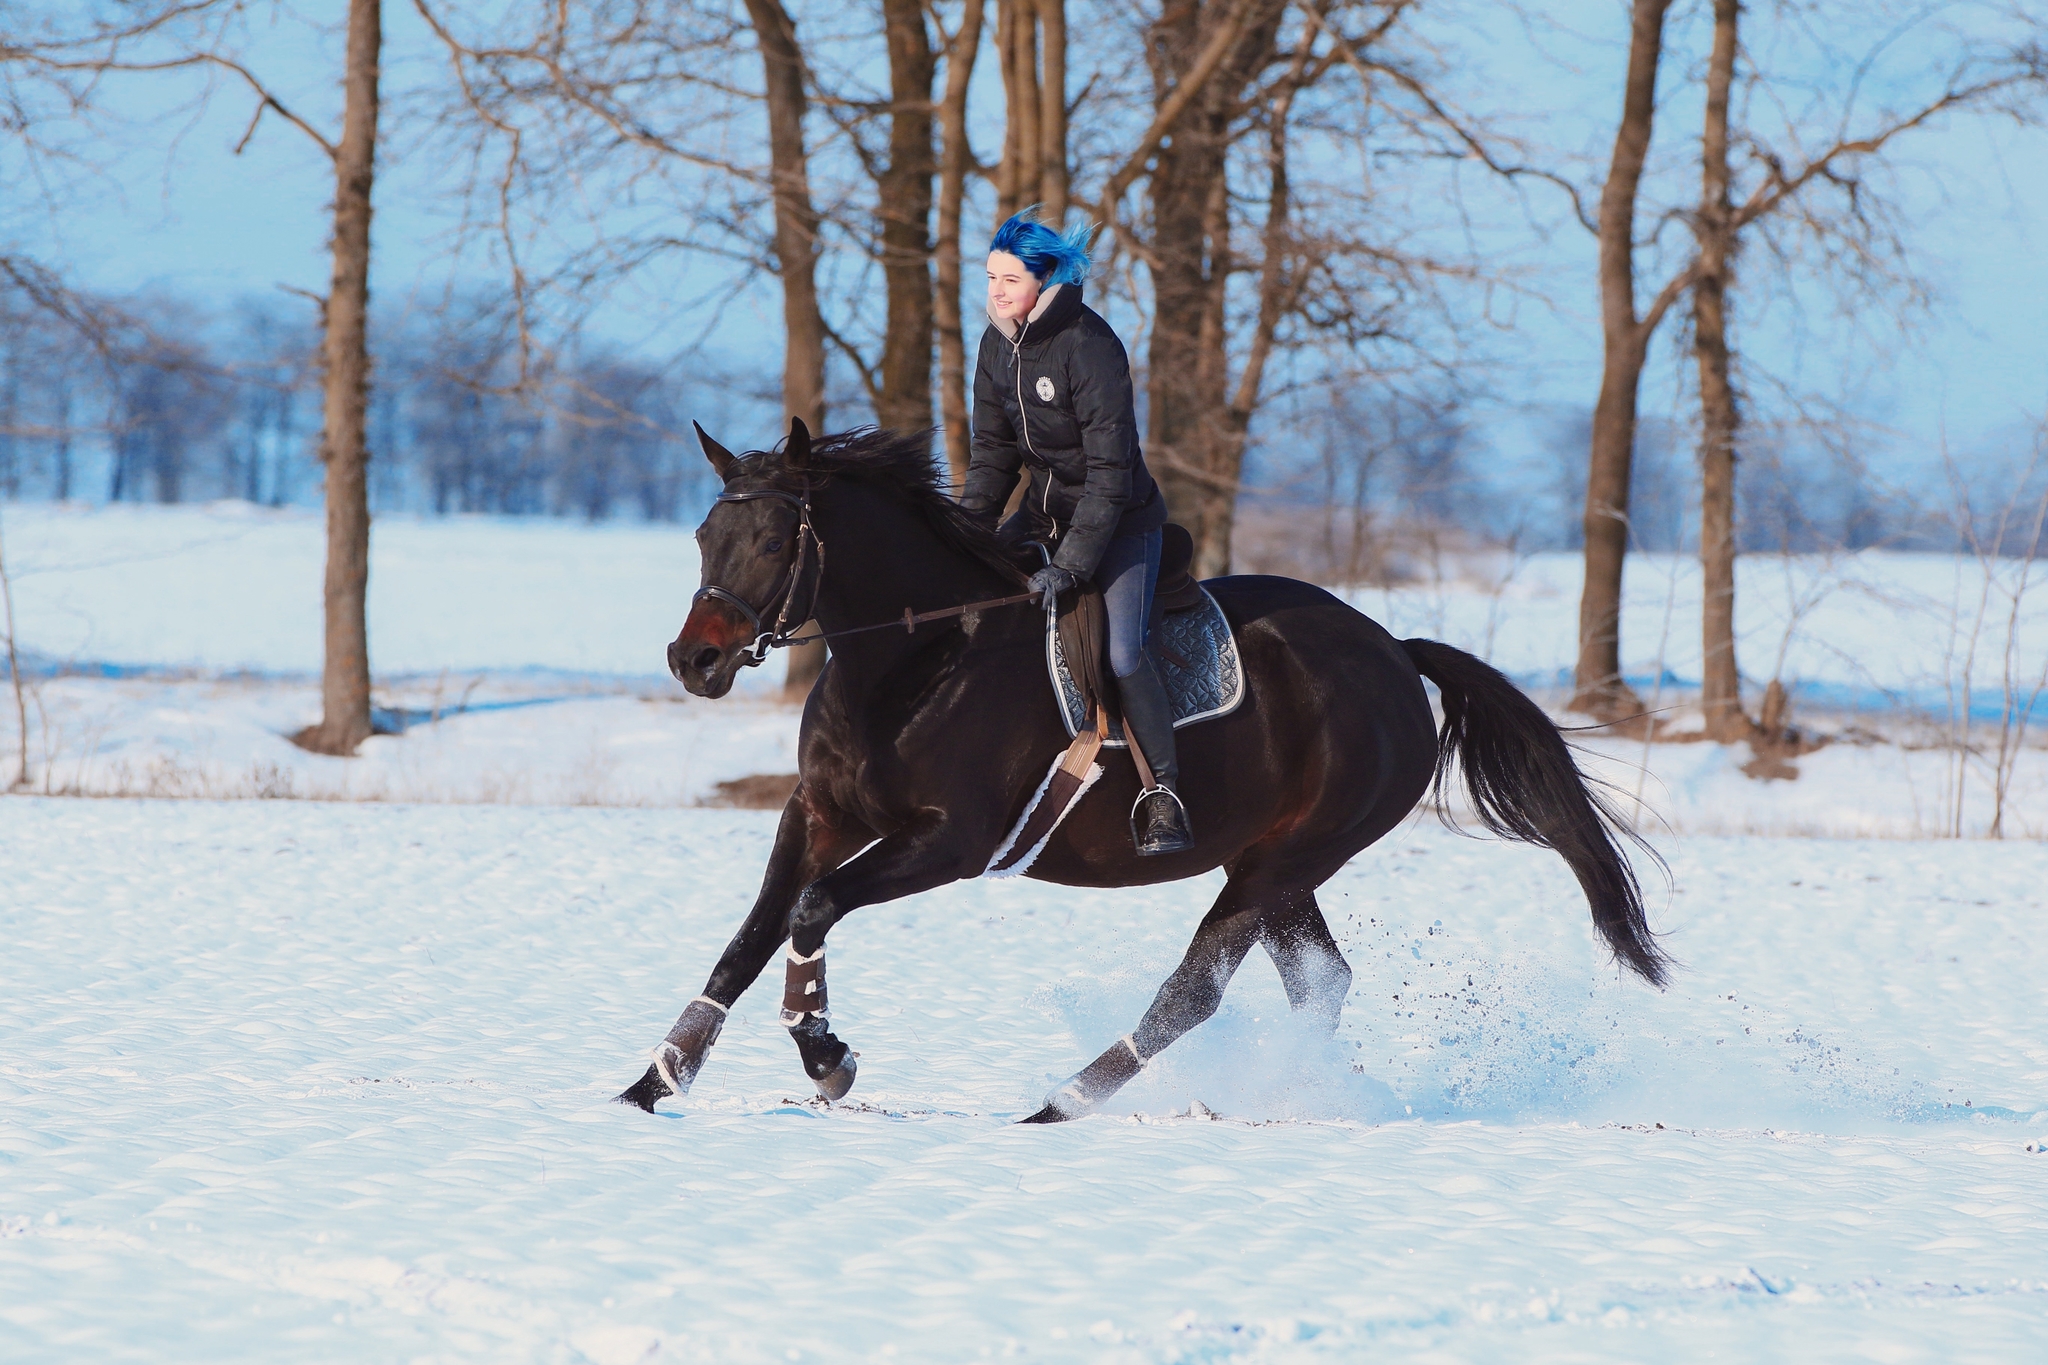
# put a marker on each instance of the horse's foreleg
(1188, 998)
(809, 841)
(1314, 972)
(918, 857)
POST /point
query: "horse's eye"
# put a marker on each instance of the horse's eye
(774, 547)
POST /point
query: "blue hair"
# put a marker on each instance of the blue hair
(1051, 257)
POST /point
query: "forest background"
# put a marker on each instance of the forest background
(1356, 250)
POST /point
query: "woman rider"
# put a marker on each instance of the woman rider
(1052, 393)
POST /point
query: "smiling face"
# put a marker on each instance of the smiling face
(1012, 290)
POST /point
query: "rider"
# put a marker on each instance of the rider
(1052, 392)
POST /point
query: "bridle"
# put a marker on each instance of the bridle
(778, 637)
(806, 535)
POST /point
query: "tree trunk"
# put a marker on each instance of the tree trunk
(946, 307)
(1191, 447)
(345, 680)
(905, 200)
(1598, 686)
(796, 257)
(1052, 110)
(796, 222)
(1720, 682)
(1019, 175)
(1276, 279)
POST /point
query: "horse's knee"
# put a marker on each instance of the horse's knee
(812, 918)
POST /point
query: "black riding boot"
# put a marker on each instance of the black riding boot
(1159, 824)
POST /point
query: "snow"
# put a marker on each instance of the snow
(330, 1079)
(230, 587)
(297, 1081)
(174, 648)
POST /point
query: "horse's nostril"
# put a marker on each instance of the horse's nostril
(706, 660)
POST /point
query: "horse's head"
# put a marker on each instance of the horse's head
(758, 567)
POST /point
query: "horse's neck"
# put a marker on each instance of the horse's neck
(881, 557)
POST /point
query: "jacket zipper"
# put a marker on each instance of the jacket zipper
(1024, 424)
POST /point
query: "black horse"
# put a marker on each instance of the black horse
(921, 748)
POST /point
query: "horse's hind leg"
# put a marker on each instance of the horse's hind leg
(1314, 972)
(1188, 998)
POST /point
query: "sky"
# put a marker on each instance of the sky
(178, 210)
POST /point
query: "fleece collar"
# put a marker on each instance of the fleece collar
(1042, 309)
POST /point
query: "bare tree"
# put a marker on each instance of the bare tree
(956, 155)
(345, 676)
(903, 202)
(195, 35)
(1720, 687)
(1031, 38)
(796, 246)
(1851, 221)
(796, 219)
(1597, 685)
(1228, 81)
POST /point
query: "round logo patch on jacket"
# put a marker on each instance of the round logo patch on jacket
(1044, 389)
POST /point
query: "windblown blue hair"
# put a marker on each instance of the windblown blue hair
(1053, 257)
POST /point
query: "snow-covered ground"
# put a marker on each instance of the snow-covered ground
(288, 1081)
(328, 1080)
(174, 648)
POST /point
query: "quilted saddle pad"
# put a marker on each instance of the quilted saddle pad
(1197, 657)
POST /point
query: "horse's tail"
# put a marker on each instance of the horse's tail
(1525, 786)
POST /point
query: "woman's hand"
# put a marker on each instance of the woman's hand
(1050, 582)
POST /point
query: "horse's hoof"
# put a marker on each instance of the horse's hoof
(1070, 1101)
(834, 1084)
(645, 1091)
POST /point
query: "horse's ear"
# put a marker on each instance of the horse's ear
(797, 453)
(722, 460)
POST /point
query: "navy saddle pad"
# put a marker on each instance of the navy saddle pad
(1197, 658)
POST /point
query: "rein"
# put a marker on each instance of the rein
(778, 636)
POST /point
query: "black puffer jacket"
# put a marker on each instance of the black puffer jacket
(1054, 395)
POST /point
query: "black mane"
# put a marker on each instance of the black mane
(899, 463)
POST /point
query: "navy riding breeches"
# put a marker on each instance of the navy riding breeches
(1128, 573)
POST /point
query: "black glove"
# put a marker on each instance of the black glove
(1051, 581)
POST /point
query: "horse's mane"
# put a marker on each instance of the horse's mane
(898, 463)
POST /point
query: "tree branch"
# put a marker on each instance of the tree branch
(1365, 68)
(1779, 187)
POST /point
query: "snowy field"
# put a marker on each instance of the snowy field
(297, 1082)
(325, 1080)
(174, 648)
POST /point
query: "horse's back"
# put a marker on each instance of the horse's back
(1319, 633)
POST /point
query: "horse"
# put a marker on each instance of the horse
(921, 745)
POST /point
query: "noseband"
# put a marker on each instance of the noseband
(806, 536)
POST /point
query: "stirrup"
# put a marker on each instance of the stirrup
(1174, 837)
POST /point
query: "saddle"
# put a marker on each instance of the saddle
(1190, 641)
(1198, 661)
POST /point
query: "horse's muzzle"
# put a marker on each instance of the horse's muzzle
(704, 669)
(708, 654)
